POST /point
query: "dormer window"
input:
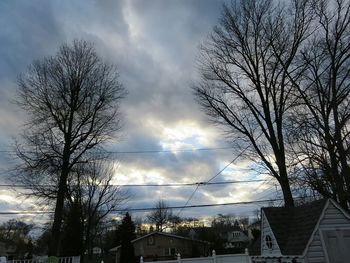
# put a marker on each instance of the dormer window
(150, 241)
(268, 241)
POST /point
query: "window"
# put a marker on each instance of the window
(172, 251)
(268, 241)
(150, 241)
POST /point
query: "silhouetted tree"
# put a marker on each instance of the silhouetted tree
(72, 102)
(72, 234)
(92, 189)
(320, 121)
(16, 232)
(41, 246)
(161, 216)
(127, 234)
(245, 87)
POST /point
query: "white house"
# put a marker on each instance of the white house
(318, 232)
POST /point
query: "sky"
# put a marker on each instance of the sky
(154, 44)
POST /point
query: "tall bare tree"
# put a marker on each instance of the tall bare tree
(245, 86)
(161, 216)
(321, 137)
(72, 101)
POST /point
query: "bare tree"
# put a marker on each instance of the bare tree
(72, 102)
(321, 135)
(245, 87)
(92, 189)
(161, 216)
(17, 232)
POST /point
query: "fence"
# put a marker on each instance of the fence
(231, 258)
(75, 259)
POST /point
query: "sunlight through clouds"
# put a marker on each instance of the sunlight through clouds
(154, 45)
(183, 135)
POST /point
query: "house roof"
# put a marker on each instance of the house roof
(293, 227)
(168, 235)
(161, 234)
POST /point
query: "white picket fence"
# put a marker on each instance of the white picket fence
(230, 258)
(75, 259)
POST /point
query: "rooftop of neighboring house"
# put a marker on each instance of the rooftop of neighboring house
(292, 227)
(162, 234)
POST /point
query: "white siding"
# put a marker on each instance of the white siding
(332, 218)
(266, 230)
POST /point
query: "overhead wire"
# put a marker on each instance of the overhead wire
(153, 151)
(212, 178)
(149, 185)
(149, 208)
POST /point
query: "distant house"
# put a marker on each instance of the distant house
(315, 232)
(7, 249)
(97, 251)
(235, 237)
(163, 246)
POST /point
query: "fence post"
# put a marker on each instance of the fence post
(246, 252)
(214, 256)
(178, 258)
(141, 259)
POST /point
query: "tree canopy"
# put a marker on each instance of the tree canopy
(72, 106)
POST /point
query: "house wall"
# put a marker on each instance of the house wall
(160, 246)
(266, 230)
(333, 218)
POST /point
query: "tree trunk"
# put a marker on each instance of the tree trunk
(345, 170)
(287, 193)
(283, 177)
(56, 227)
(62, 190)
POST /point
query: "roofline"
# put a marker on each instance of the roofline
(114, 249)
(163, 234)
(315, 228)
(261, 236)
(168, 235)
(329, 200)
(326, 205)
(346, 214)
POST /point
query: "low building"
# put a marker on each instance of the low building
(164, 246)
(316, 232)
(8, 249)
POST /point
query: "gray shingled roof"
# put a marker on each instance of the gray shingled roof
(114, 249)
(293, 227)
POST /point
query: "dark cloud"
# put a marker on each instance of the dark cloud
(154, 44)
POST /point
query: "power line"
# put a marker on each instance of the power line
(149, 185)
(153, 208)
(151, 151)
(238, 156)
(223, 169)
(188, 200)
(26, 212)
(195, 190)
(212, 178)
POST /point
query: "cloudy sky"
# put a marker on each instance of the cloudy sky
(154, 43)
